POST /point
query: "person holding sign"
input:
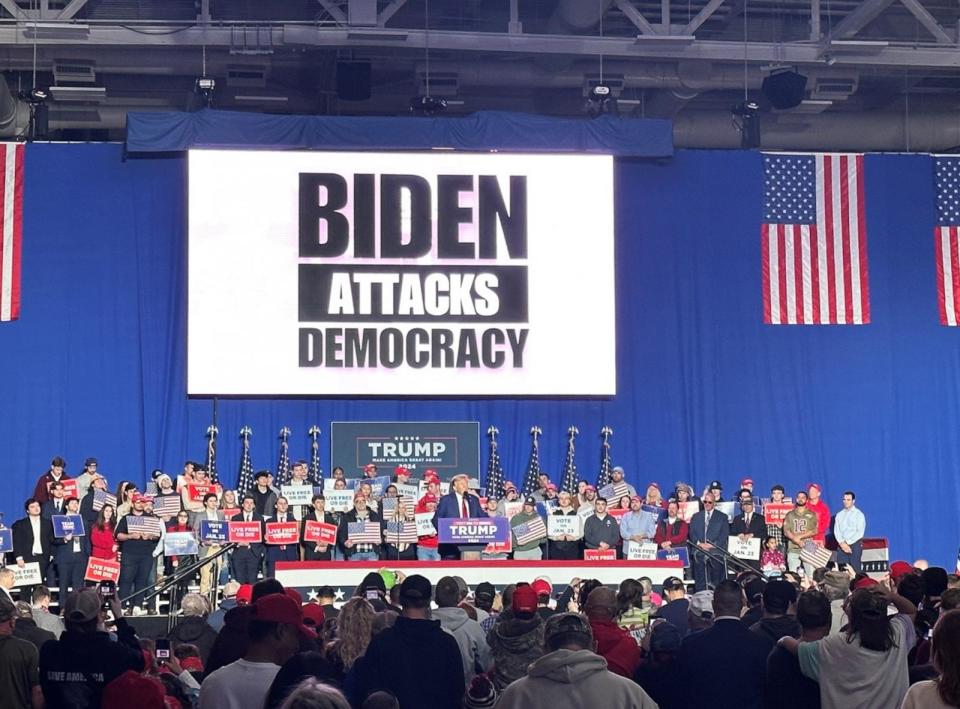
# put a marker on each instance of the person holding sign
(635, 526)
(529, 531)
(749, 525)
(392, 525)
(427, 544)
(247, 557)
(566, 546)
(137, 534)
(103, 541)
(299, 483)
(212, 513)
(799, 525)
(56, 473)
(71, 551)
(358, 550)
(281, 552)
(32, 538)
(672, 532)
(709, 528)
(318, 551)
(777, 498)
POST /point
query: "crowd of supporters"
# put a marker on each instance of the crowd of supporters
(787, 631)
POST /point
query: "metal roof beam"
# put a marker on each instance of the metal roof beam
(633, 14)
(705, 14)
(389, 11)
(927, 20)
(71, 10)
(865, 13)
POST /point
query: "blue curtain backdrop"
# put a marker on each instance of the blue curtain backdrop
(96, 364)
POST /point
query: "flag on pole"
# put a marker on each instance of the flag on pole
(603, 477)
(946, 238)
(570, 478)
(211, 463)
(315, 474)
(245, 477)
(531, 531)
(283, 463)
(495, 479)
(11, 228)
(814, 240)
(531, 479)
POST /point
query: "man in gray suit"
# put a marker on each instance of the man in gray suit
(709, 528)
(213, 514)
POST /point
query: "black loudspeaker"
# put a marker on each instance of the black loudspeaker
(353, 81)
(784, 89)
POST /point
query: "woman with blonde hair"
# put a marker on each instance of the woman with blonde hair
(354, 630)
(314, 694)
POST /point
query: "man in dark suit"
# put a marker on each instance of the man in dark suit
(57, 504)
(724, 651)
(311, 550)
(247, 557)
(459, 503)
(749, 525)
(32, 538)
(709, 528)
(70, 553)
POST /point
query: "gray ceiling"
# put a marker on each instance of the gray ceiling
(883, 74)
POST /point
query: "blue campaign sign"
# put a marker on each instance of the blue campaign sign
(489, 530)
(449, 447)
(678, 554)
(6, 540)
(67, 524)
(213, 531)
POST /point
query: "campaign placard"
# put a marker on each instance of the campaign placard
(744, 548)
(282, 533)
(230, 512)
(214, 531)
(101, 498)
(143, 524)
(245, 532)
(166, 505)
(448, 447)
(319, 532)
(775, 512)
(102, 570)
(179, 544)
(298, 494)
(499, 548)
(339, 500)
(424, 522)
(564, 526)
(473, 531)
(6, 540)
(728, 507)
(599, 554)
(512, 508)
(197, 491)
(640, 551)
(409, 491)
(26, 575)
(613, 492)
(688, 509)
(64, 525)
(388, 505)
(70, 489)
(617, 512)
(674, 554)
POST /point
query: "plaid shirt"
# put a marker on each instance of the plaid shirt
(775, 532)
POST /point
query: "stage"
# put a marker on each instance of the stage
(348, 574)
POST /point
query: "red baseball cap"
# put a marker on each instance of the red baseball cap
(140, 497)
(429, 497)
(400, 470)
(192, 664)
(551, 486)
(816, 485)
(281, 608)
(313, 616)
(524, 601)
(244, 594)
(636, 498)
(865, 582)
(541, 587)
(294, 594)
(589, 487)
(899, 569)
(746, 481)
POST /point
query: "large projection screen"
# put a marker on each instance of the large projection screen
(400, 274)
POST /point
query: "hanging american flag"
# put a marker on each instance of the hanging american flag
(531, 478)
(211, 462)
(364, 532)
(11, 228)
(945, 238)
(569, 479)
(283, 463)
(245, 478)
(315, 473)
(603, 477)
(495, 479)
(531, 531)
(814, 240)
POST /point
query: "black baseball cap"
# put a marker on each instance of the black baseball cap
(262, 474)
(530, 501)
(485, 590)
(416, 588)
(715, 485)
(778, 595)
(672, 583)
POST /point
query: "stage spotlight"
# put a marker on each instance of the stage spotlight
(784, 88)
(746, 117)
(39, 125)
(204, 88)
(427, 105)
(601, 101)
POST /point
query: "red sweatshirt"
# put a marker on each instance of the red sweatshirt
(823, 519)
(616, 646)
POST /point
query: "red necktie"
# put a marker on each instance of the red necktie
(463, 507)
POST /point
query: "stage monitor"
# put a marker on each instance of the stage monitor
(400, 274)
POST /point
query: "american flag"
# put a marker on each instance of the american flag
(495, 479)
(101, 498)
(283, 463)
(245, 478)
(815, 554)
(11, 229)
(530, 531)
(531, 479)
(211, 464)
(364, 532)
(400, 532)
(569, 479)
(875, 561)
(945, 238)
(603, 477)
(814, 240)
